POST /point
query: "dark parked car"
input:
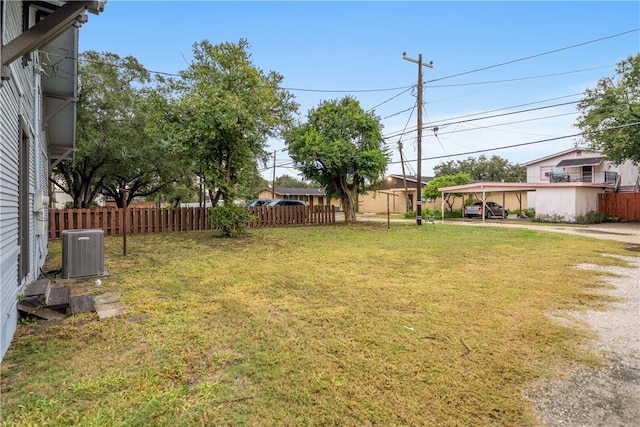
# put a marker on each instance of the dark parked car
(258, 202)
(285, 202)
(494, 210)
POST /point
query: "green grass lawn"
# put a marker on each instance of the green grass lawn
(339, 325)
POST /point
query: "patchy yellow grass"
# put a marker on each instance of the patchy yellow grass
(350, 325)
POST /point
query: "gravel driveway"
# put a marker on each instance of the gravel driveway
(609, 396)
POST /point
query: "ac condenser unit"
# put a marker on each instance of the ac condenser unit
(82, 253)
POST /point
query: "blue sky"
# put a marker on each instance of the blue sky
(326, 50)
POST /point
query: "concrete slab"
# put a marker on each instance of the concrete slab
(108, 305)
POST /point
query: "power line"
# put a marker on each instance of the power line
(523, 78)
(346, 91)
(524, 143)
(490, 111)
(165, 73)
(533, 56)
(443, 123)
(393, 97)
(398, 113)
(509, 123)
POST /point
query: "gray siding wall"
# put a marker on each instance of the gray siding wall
(9, 249)
(20, 112)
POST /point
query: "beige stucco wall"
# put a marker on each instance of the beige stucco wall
(376, 201)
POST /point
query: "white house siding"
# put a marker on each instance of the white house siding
(20, 112)
(569, 203)
(555, 202)
(586, 200)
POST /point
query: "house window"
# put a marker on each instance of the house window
(24, 239)
(545, 173)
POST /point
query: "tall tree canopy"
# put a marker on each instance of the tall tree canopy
(341, 148)
(115, 148)
(105, 121)
(227, 110)
(610, 113)
(482, 169)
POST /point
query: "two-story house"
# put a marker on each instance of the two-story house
(572, 181)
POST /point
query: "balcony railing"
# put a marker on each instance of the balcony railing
(599, 177)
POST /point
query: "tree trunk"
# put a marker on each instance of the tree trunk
(348, 203)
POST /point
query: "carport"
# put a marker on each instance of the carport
(480, 190)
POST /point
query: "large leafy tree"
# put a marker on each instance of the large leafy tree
(431, 189)
(495, 168)
(152, 160)
(227, 110)
(610, 113)
(341, 148)
(104, 122)
(115, 148)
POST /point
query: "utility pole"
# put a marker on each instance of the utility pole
(419, 171)
(273, 179)
(404, 177)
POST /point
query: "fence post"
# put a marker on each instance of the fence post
(124, 221)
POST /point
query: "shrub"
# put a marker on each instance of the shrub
(592, 217)
(230, 219)
(435, 214)
(555, 218)
(521, 213)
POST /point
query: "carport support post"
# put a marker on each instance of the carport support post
(504, 207)
(442, 205)
(484, 205)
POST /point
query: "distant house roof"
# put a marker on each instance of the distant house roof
(584, 161)
(413, 178)
(576, 150)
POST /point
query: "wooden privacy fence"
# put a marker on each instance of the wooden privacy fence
(624, 206)
(162, 220)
